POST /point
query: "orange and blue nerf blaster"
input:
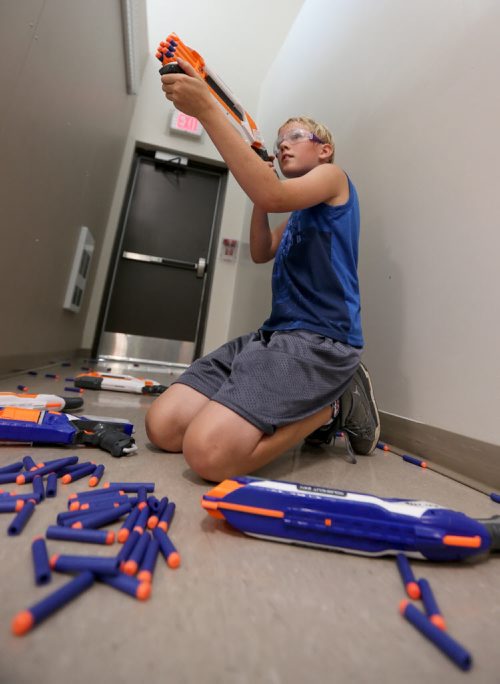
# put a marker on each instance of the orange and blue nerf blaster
(170, 49)
(51, 402)
(351, 522)
(50, 427)
(118, 383)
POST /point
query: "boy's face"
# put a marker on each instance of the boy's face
(298, 150)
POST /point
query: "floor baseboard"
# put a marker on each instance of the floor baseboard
(470, 461)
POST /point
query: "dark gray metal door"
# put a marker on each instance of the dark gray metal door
(158, 287)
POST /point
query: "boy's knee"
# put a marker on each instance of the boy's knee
(207, 461)
(162, 432)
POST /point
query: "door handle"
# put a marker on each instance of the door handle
(200, 266)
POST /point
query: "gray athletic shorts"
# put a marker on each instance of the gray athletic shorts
(275, 378)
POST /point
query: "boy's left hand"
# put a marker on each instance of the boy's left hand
(188, 91)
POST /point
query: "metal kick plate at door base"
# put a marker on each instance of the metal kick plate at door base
(200, 266)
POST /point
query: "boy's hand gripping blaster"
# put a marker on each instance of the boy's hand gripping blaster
(118, 383)
(172, 48)
(40, 401)
(49, 427)
(349, 521)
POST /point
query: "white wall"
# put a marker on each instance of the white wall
(411, 92)
(239, 42)
(64, 117)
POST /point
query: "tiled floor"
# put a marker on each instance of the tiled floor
(243, 610)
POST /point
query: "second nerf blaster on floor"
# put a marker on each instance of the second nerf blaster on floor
(350, 521)
(171, 49)
(51, 402)
(118, 383)
(36, 427)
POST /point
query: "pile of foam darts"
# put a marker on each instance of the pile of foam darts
(143, 534)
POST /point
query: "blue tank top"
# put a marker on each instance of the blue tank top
(315, 281)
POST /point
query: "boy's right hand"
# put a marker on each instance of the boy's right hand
(188, 91)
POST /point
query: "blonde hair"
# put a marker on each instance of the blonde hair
(318, 129)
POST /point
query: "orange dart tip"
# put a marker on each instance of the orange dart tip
(143, 591)
(174, 560)
(413, 590)
(438, 621)
(145, 576)
(22, 623)
(129, 567)
(123, 535)
(402, 605)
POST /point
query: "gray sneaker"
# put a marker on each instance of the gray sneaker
(360, 421)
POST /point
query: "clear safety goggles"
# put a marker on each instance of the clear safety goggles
(294, 136)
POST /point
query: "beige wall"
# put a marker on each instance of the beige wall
(411, 91)
(64, 114)
(239, 42)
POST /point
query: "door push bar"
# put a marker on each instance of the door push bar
(200, 266)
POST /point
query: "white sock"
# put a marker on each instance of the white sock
(335, 412)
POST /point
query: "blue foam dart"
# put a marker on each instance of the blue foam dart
(24, 621)
(142, 519)
(410, 583)
(97, 564)
(128, 585)
(8, 477)
(93, 505)
(350, 521)
(130, 486)
(127, 548)
(19, 522)
(432, 609)
(41, 564)
(28, 463)
(128, 525)
(78, 473)
(9, 504)
(85, 536)
(12, 467)
(166, 517)
(51, 485)
(101, 518)
(455, 651)
(38, 487)
(93, 495)
(131, 565)
(148, 564)
(167, 549)
(97, 475)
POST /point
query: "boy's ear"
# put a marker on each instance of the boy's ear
(325, 152)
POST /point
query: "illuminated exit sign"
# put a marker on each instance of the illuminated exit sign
(182, 123)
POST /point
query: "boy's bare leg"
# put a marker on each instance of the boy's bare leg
(170, 414)
(219, 443)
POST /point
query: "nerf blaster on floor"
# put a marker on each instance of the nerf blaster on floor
(118, 383)
(49, 427)
(50, 402)
(168, 52)
(349, 521)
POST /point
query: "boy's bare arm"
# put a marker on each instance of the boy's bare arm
(264, 242)
(190, 94)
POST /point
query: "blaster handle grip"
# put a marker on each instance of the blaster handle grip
(172, 68)
(493, 526)
(262, 152)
